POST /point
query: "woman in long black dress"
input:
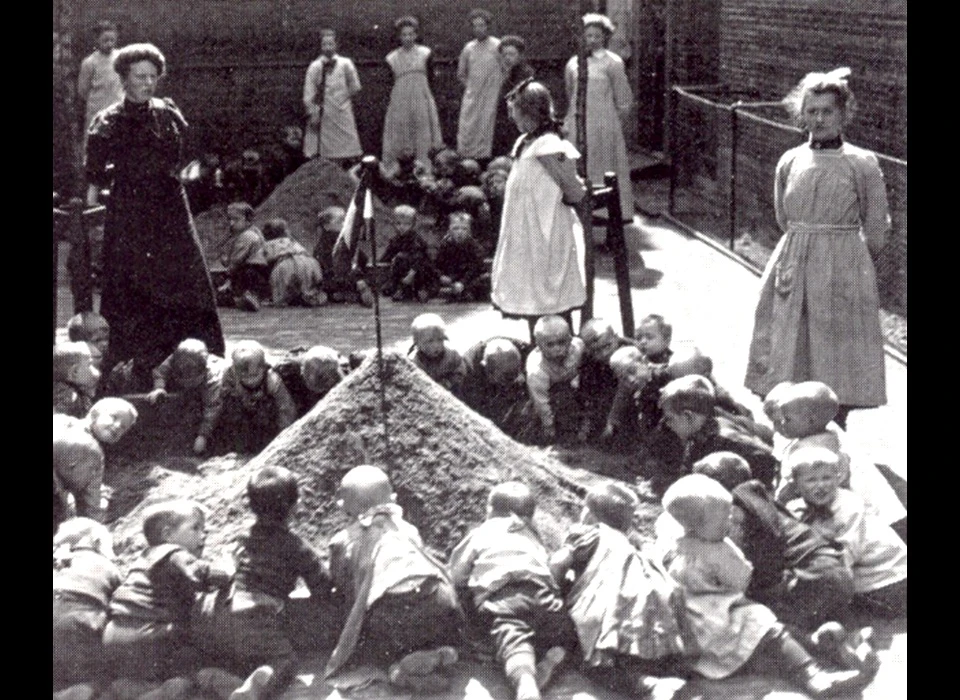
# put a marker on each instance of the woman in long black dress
(156, 287)
(515, 71)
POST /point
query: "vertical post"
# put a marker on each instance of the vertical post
(56, 265)
(585, 209)
(618, 247)
(674, 159)
(732, 206)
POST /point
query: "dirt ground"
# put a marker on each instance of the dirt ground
(710, 301)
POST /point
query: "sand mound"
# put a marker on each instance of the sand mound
(442, 458)
(314, 185)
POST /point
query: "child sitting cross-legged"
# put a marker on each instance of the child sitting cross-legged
(503, 567)
(74, 379)
(553, 379)
(84, 578)
(245, 625)
(628, 612)
(803, 416)
(146, 642)
(430, 352)
(692, 429)
(403, 612)
(194, 374)
(460, 262)
(876, 555)
(733, 633)
(412, 275)
(255, 405)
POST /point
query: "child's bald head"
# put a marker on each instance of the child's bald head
(806, 408)
(816, 473)
(189, 363)
(599, 339)
(404, 218)
(364, 487)
(111, 418)
(501, 361)
(552, 335)
(321, 368)
(249, 362)
(429, 335)
(687, 361)
(69, 359)
(89, 327)
(511, 497)
(701, 505)
(728, 468)
(624, 360)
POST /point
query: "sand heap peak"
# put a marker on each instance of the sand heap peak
(441, 456)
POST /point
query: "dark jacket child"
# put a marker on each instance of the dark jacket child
(494, 385)
(78, 459)
(255, 405)
(74, 379)
(147, 637)
(629, 613)
(598, 381)
(503, 567)
(309, 375)
(342, 283)
(84, 578)
(403, 611)
(195, 375)
(460, 262)
(412, 275)
(244, 625)
(691, 429)
(246, 263)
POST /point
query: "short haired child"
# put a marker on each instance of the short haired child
(876, 555)
(732, 632)
(433, 355)
(342, 283)
(695, 430)
(402, 606)
(806, 413)
(553, 375)
(91, 328)
(78, 458)
(84, 578)
(74, 379)
(614, 585)
(412, 274)
(494, 385)
(192, 371)
(269, 559)
(504, 568)
(245, 260)
(598, 381)
(310, 374)
(653, 336)
(460, 262)
(147, 635)
(255, 405)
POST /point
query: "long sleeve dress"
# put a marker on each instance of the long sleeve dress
(538, 266)
(818, 313)
(156, 287)
(608, 98)
(412, 123)
(479, 70)
(336, 134)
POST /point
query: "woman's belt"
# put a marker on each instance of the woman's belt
(799, 227)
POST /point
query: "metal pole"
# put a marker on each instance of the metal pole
(734, 134)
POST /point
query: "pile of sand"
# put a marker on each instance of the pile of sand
(313, 186)
(441, 456)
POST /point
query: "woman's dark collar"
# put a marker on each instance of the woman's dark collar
(827, 144)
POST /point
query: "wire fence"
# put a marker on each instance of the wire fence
(724, 147)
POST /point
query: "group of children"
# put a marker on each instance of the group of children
(637, 619)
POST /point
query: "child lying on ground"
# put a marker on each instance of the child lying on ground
(733, 633)
(147, 637)
(628, 612)
(804, 416)
(876, 555)
(78, 459)
(244, 626)
(503, 566)
(195, 374)
(553, 373)
(255, 405)
(430, 352)
(74, 379)
(84, 578)
(403, 612)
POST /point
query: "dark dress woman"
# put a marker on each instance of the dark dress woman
(516, 70)
(156, 287)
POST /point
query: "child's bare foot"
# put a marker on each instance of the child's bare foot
(253, 687)
(527, 688)
(547, 666)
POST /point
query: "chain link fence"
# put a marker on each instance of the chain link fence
(724, 147)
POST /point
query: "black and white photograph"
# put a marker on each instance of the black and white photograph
(479, 349)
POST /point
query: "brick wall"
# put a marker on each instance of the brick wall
(236, 67)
